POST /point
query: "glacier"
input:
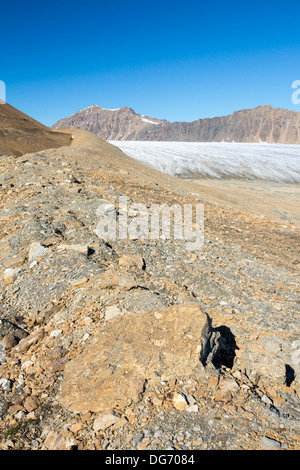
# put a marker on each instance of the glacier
(248, 161)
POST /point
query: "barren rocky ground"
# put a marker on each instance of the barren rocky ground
(140, 344)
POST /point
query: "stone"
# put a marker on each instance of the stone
(30, 404)
(143, 444)
(137, 439)
(123, 281)
(269, 444)
(115, 364)
(76, 427)
(9, 276)
(179, 401)
(157, 401)
(30, 340)
(55, 333)
(15, 409)
(127, 282)
(20, 415)
(50, 241)
(6, 384)
(104, 421)
(27, 364)
(295, 356)
(262, 365)
(79, 282)
(63, 440)
(223, 396)
(132, 261)
(191, 400)
(112, 312)
(121, 422)
(266, 399)
(192, 408)
(274, 343)
(9, 341)
(84, 249)
(229, 384)
(35, 251)
(74, 179)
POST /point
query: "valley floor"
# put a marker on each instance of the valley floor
(277, 201)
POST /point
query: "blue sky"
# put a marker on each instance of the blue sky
(181, 60)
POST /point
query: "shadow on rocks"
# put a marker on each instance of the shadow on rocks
(224, 354)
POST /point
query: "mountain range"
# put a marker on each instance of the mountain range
(260, 124)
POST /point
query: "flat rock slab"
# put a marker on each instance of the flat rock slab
(112, 370)
(262, 365)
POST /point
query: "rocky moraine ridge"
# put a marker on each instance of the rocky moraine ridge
(140, 344)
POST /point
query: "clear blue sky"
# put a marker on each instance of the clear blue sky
(181, 60)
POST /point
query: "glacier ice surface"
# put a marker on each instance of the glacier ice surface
(249, 161)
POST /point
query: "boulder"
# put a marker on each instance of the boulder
(262, 365)
(128, 351)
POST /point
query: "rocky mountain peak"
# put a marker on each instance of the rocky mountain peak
(261, 124)
(111, 124)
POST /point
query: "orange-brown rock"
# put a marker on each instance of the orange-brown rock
(112, 370)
